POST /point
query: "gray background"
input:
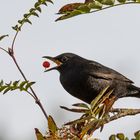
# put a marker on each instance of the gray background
(110, 37)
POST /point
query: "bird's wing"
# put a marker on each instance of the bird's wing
(99, 71)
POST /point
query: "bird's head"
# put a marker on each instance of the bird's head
(61, 61)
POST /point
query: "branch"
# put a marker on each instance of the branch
(121, 113)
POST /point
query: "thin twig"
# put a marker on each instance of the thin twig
(13, 42)
(4, 50)
(119, 4)
(34, 94)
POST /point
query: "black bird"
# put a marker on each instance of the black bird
(84, 79)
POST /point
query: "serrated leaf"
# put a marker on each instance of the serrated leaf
(7, 89)
(37, 4)
(112, 137)
(20, 21)
(3, 36)
(34, 14)
(29, 85)
(2, 88)
(120, 136)
(39, 9)
(32, 10)
(15, 83)
(16, 28)
(21, 86)
(50, 1)
(27, 20)
(81, 105)
(52, 125)
(39, 136)
(26, 15)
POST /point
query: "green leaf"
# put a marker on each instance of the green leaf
(50, 1)
(95, 5)
(29, 85)
(7, 89)
(83, 8)
(81, 105)
(3, 36)
(20, 21)
(121, 1)
(37, 4)
(2, 88)
(75, 110)
(96, 100)
(15, 83)
(120, 136)
(16, 28)
(108, 2)
(32, 10)
(26, 15)
(27, 20)
(112, 137)
(34, 14)
(21, 86)
(52, 125)
(39, 9)
(44, 3)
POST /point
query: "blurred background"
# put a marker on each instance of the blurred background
(110, 37)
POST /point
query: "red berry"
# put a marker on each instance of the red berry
(46, 64)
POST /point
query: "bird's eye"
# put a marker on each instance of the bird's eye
(64, 59)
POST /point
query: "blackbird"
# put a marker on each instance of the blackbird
(84, 79)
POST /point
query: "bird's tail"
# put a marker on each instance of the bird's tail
(134, 91)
